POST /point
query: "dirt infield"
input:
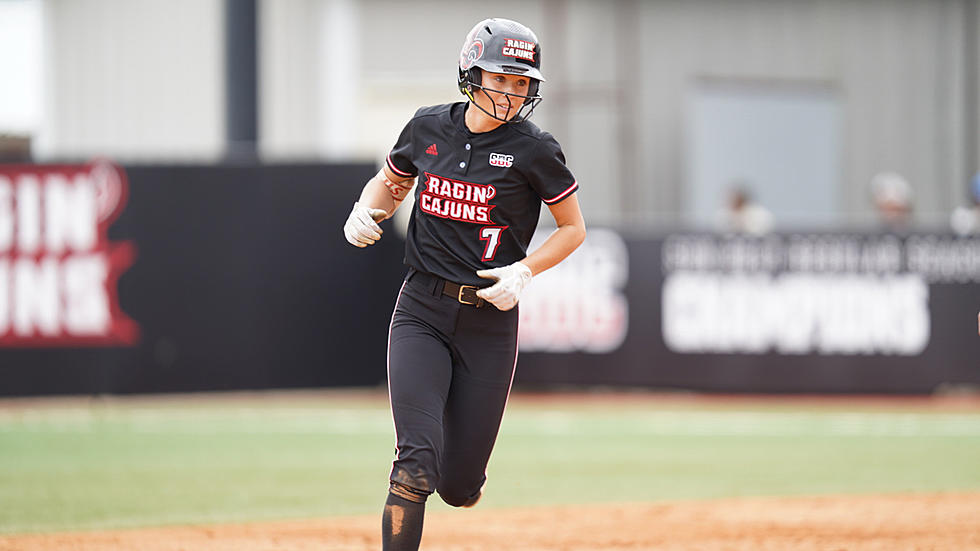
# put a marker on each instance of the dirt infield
(834, 523)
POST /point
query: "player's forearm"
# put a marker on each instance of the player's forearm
(375, 195)
(384, 191)
(561, 243)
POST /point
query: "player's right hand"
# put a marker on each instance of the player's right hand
(362, 227)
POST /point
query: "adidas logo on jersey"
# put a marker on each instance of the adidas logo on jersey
(499, 159)
(432, 150)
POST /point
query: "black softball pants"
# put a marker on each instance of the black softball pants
(450, 368)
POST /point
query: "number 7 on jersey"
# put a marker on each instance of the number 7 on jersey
(491, 234)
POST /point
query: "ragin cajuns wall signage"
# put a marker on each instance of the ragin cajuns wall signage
(58, 269)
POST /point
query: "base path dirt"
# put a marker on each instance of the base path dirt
(832, 523)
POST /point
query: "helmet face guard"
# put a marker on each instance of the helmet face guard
(501, 46)
(523, 106)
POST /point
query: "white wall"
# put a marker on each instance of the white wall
(896, 64)
(396, 57)
(134, 79)
(143, 79)
(21, 89)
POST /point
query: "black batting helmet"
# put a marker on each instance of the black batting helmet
(501, 46)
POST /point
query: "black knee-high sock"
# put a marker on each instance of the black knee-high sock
(401, 525)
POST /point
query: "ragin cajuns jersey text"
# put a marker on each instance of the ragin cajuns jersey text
(457, 200)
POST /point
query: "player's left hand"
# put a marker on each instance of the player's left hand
(511, 280)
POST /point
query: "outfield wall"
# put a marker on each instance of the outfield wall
(839, 313)
(189, 278)
(238, 277)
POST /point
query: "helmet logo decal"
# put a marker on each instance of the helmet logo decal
(519, 49)
(471, 55)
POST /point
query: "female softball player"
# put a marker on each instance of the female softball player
(484, 171)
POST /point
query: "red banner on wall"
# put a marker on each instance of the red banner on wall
(58, 269)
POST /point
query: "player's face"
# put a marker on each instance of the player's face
(501, 90)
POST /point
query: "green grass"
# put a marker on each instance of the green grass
(139, 462)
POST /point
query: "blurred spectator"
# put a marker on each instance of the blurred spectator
(742, 214)
(965, 220)
(892, 196)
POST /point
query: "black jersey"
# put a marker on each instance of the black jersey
(479, 195)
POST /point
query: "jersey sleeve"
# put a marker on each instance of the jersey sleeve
(548, 174)
(400, 157)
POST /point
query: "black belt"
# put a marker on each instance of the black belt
(464, 294)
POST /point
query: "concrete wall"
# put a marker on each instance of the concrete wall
(138, 79)
(338, 79)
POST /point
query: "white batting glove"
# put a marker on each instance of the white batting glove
(362, 227)
(511, 280)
